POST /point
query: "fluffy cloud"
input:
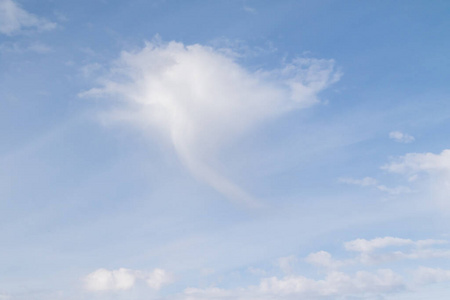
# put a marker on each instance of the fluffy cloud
(401, 137)
(105, 280)
(14, 19)
(199, 99)
(125, 279)
(158, 278)
(335, 284)
(362, 282)
(413, 163)
(436, 167)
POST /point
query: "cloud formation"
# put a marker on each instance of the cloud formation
(335, 284)
(125, 279)
(425, 275)
(14, 19)
(199, 99)
(436, 167)
(372, 182)
(362, 276)
(401, 137)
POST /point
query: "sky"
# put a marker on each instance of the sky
(221, 150)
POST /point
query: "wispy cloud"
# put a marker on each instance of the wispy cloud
(199, 99)
(14, 19)
(372, 182)
(17, 48)
(401, 137)
(366, 181)
(125, 279)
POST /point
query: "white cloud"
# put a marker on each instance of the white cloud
(338, 284)
(369, 181)
(436, 167)
(335, 284)
(13, 19)
(366, 181)
(286, 263)
(413, 163)
(363, 245)
(395, 190)
(158, 278)
(401, 137)
(324, 259)
(199, 99)
(105, 280)
(421, 249)
(125, 279)
(425, 275)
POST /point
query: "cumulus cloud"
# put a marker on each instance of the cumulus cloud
(125, 279)
(292, 287)
(362, 282)
(401, 137)
(198, 99)
(426, 165)
(158, 278)
(413, 163)
(14, 19)
(105, 280)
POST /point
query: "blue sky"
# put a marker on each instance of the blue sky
(188, 150)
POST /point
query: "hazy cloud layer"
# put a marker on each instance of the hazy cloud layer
(199, 99)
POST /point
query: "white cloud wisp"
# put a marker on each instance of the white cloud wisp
(401, 137)
(13, 19)
(125, 279)
(199, 99)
